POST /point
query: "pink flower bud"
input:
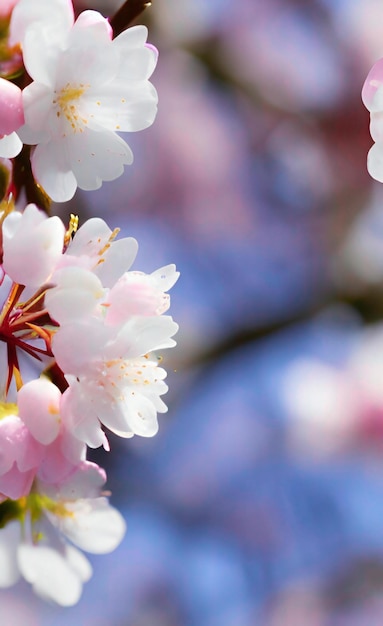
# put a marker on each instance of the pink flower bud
(6, 7)
(11, 107)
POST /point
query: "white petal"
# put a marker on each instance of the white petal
(9, 542)
(51, 169)
(53, 575)
(75, 295)
(37, 100)
(375, 162)
(136, 63)
(40, 54)
(376, 126)
(95, 526)
(166, 277)
(141, 415)
(53, 14)
(10, 146)
(118, 260)
(142, 335)
(122, 105)
(80, 415)
(90, 238)
(97, 156)
(131, 38)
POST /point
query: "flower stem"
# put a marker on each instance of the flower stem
(126, 14)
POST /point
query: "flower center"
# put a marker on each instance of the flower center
(23, 326)
(67, 102)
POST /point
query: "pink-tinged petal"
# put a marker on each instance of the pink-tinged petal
(71, 448)
(375, 162)
(55, 467)
(77, 346)
(32, 247)
(6, 7)
(16, 484)
(85, 481)
(372, 83)
(11, 432)
(11, 107)
(39, 408)
(17, 445)
(10, 146)
(134, 294)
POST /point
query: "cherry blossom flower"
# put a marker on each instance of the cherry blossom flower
(34, 440)
(112, 379)
(35, 545)
(85, 87)
(20, 455)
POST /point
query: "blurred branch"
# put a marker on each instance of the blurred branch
(367, 305)
(126, 14)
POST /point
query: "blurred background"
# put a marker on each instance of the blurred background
(260, 501)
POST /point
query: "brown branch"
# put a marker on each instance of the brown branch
(127, 14)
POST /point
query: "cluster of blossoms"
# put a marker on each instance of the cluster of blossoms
(78, 328)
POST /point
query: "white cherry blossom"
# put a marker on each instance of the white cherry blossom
(112, 379)
(85, 88)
